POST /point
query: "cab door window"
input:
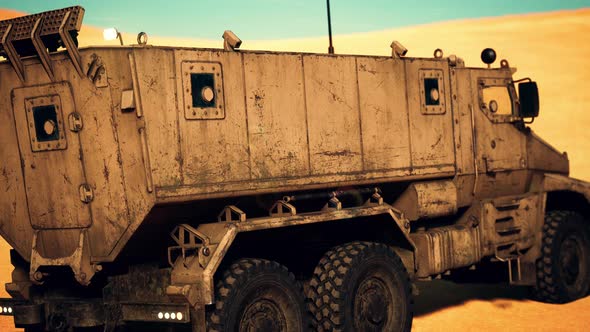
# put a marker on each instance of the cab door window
(498, 100)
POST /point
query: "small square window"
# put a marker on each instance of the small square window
(203, 90)
(202, 86)
(431, 92)
(46, 125)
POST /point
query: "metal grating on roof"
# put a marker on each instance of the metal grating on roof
(51, 22)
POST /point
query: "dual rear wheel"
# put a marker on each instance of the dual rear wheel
(359, 286)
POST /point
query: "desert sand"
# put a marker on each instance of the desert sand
(553, 49)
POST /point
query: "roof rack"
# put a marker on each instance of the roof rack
(39, 34)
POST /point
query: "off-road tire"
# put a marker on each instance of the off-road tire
(258, 295)
(563, 270)
(360, 286)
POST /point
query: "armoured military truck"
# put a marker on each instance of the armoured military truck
(226, 190)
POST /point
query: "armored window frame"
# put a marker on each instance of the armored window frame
(33, 107)
(197, 75)
(484, 83)
(429, 79)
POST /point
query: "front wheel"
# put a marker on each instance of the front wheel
(563, 271)
(361, 286)
(258, 295)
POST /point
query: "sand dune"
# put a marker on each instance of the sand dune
(552, 48)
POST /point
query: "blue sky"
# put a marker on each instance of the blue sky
(273, 19)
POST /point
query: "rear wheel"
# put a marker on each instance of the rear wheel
(361, 286)
(258, 295)
(563, 271)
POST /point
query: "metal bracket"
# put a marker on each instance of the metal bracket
(70, 45)
(333, 204)
(375, 199)
(78, 261)
(41, 49)
(97, 72)
(282, 208)
(509, 261)
(11, 53)
(188, 238)
(228, 213)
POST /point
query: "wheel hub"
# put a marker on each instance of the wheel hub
(570, 254)
(261, 316)
(372, 304)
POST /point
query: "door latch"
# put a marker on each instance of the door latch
(75, 120)
(86, 193)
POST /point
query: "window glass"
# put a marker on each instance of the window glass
(203, 90)
(432, 95)
(45, 118)
(496, 99)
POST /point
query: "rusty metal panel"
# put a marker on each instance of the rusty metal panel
(384, 114)
(57, 243)
(444, 248)
(431, 134)
(428, 200)
(333, 114)
(462, 102)
(52, 178)
(277, 120)
(107, 241)
(500, 145)
(553, 182)
(543, 157)
(155, 86)
(102, 159)
(15, 224)
(214, 151)
(510, 223)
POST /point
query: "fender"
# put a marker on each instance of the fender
(553, 182)
(200, 250)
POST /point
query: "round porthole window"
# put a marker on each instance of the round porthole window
(493, 106)
(207, 94)
(434, 94)
(49, 127)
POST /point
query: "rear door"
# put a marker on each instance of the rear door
(51, 156)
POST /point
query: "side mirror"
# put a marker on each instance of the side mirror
(528, 94)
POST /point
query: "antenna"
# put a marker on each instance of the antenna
(331, 47)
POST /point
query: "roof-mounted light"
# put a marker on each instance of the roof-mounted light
(112, 34)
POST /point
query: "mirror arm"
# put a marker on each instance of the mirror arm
(528, 122)
(523, 79)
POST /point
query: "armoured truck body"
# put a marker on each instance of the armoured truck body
(219, 189)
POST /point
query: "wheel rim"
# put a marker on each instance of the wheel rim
(263, 315)
(269, 308)
(374, 304)
(571, 261)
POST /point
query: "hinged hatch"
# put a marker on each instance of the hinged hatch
(51, 157)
